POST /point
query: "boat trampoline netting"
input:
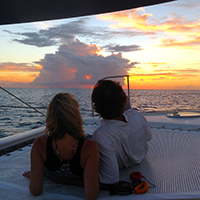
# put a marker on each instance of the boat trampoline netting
(172, 164)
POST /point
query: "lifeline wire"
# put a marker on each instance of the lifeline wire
(23, 101)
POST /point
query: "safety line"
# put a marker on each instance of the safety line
(22, 101)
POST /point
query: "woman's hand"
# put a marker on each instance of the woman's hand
(27, 174)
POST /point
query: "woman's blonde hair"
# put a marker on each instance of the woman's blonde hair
(63, 117)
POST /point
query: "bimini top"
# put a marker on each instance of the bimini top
(21, 11)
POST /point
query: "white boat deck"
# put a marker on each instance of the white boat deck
(172, 164)
(160, 120)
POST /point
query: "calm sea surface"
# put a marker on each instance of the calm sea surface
(16, 117)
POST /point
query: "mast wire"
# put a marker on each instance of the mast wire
(22, 101)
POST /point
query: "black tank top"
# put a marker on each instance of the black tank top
(53, 162)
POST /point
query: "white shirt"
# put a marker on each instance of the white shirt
(121, 144)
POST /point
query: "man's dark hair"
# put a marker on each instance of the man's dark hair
(109, 99)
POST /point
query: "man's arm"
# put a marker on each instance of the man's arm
(108, 166)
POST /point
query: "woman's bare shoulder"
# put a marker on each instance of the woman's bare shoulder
(90, 151)
(90, 145)
(40, 139)
(40, 142)
(39, 147)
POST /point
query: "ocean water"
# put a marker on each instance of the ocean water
(16, 117)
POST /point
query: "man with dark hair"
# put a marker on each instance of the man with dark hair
(122, 136)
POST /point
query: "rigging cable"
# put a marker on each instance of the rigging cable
(22, 101)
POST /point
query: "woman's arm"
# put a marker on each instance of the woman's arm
(90, 163)
(37, 168)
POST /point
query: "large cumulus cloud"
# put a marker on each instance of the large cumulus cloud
(77, 64)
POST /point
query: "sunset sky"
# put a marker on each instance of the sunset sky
(158, 45)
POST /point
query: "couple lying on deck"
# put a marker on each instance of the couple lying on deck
(66, 156)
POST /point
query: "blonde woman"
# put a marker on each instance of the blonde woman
(64, 154)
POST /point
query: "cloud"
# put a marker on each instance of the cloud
(36, 39)
(171, 74)
(181, 87)
(192, 43)
(18, 74)
(189, 70)
(13, 84)
(135, 22)
(24, 67)
(77, 64)
(188, 5)
(168, 27)
(44, 24)
(137, 19)
(64, 33)
(53, 35)
(122, 48)
(131, 19)
(156, 64)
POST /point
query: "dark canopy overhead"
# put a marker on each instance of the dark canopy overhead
(21, 11)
